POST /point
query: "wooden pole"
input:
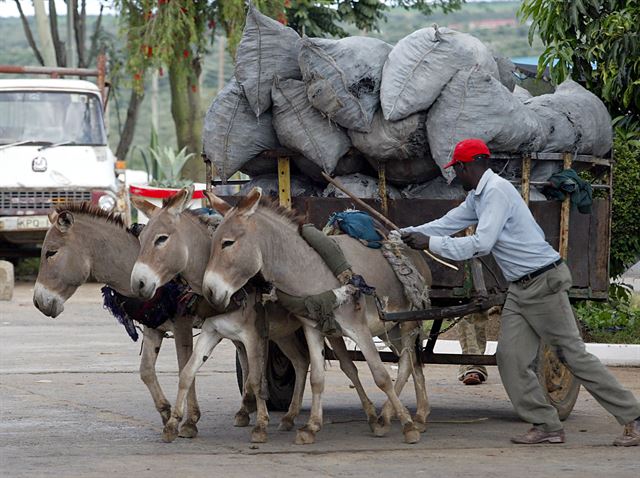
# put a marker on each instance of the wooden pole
(379, 216)
(526, 178)
(564, 215)
(284, 183)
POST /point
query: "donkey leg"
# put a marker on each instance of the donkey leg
(351, 371)
(208, 339)
(248, 403)
(152, 341)
(362, 336)
(256, 356)
(408, 365)
(315, 341)
(183, 333)
(292, 348)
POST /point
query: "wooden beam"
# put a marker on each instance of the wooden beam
(565, 211)
(284, 182)
(437, 313)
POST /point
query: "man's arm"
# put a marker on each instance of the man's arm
(490, 225)
(455, 220)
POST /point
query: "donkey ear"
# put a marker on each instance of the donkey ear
(216, 203)
(250, 202)
(64, 221)
(53, 215)
(181, 200)
(144, 206)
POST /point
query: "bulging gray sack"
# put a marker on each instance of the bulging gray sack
(302, 128)
(343, 77)
(267, 49)
(576, 120)
(476, 105)
(421, 64)
(232, 135)
(359, 185)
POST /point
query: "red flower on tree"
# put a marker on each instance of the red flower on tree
(282, 18)
(194, 88)
(185, 53)
(137, 77)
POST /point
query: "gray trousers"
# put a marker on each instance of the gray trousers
(540, 309)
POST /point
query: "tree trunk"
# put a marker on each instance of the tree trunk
(126, 135)
(46, 42)
(187, 115)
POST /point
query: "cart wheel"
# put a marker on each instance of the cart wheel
(281, 379)
(560, 386)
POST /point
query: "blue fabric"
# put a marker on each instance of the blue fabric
(359, 225)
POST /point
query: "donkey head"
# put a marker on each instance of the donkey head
(163, 253)
(64, 265)
(235, 251)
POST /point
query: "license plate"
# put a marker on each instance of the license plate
(24, 223)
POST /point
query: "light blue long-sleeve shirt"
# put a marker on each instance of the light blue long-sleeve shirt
(505, 228)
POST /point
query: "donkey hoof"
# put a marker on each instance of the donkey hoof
(420, 424)
(372, 421)
(411, 433)
(241, 420)
(286, 425)
(258, 435)
(188, 430)
(304, 436)
(381, 427)
(170, 432)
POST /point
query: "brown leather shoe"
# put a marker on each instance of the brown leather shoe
(537, 435)
(630, 436)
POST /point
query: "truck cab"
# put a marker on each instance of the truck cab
(53, 149)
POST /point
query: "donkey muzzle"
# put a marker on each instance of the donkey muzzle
(47, 302)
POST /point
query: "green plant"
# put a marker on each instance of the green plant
(619, 314)
(164, 164)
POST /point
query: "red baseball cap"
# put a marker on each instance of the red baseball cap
(467, 150)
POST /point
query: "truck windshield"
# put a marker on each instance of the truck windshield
(51, 117)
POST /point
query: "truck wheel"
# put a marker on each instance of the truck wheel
(560, 386)
(281, 379)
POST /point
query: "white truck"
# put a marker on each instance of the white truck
(53, 149)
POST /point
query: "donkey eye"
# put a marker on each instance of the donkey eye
(49, 254)
(227, 243)
(161, 240)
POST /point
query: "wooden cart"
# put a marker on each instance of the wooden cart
(582, 240)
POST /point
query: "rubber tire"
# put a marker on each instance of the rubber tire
(281, 379)
(560, 386)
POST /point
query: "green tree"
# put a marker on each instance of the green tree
(596, 42)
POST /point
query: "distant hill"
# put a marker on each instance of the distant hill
(494, 23)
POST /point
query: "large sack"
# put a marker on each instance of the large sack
(343, 77)
(232, 135)
(506, 69)
(421, 64)
(476, 105)
(302, 128)
(576, 120)
(351, 163)
(259, 166)
(408, 171)
(435, 189)
(361, 186)
(393, 140)
(300, 186)
(267, 49)
(521, 93)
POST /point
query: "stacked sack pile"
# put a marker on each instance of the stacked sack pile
(346, 106)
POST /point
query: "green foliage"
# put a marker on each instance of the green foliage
(625, 229)
(164, 164)
(593, 41)
(615, 321)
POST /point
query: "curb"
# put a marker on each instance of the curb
(614, 355)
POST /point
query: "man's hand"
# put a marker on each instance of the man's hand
(415, 240)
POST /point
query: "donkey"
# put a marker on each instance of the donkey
(85, 242)
(175, 241)
(257, 237)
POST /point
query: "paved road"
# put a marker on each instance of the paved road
(73, 406)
